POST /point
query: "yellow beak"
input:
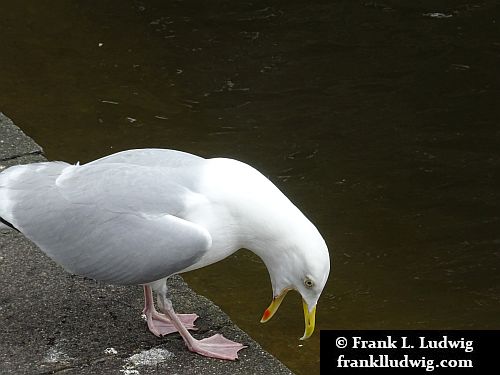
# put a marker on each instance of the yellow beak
(273, 307)
(309, 316)
(310, 320)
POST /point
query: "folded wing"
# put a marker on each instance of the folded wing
(116, 222)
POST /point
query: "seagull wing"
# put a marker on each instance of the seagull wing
(114, 222)
(152, 157)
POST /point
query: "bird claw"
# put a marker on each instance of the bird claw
(217, 346)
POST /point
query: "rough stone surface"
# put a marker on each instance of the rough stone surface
(13, 142)
(53, 322)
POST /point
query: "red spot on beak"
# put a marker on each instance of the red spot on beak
(266, 315)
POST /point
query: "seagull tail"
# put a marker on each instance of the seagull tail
(4, 224)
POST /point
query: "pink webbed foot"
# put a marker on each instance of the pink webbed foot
(160, 325)
(216, 346)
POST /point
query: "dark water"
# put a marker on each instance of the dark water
(381, 120)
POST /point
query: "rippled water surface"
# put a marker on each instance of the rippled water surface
(380, 120)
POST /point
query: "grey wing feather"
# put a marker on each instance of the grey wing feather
(95, 227)
(127, 188)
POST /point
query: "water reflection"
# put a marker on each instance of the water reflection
(380, 120)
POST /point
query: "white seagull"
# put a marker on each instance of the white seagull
(140, 216)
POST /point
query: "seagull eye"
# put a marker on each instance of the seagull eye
(308, 283)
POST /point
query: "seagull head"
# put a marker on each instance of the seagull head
(302, 263)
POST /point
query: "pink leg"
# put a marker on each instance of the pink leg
(159, 324)
(216, 346)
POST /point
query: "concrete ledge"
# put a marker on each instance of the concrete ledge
(13, 142)
(54, 322)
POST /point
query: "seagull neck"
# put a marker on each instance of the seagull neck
(261, 217)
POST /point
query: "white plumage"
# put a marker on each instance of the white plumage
(139, 216)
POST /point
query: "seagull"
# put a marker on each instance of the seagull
(140, 216)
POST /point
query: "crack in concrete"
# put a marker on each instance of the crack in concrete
(58, 369)
(21, 155)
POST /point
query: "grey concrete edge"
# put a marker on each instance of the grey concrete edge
(53, 322)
